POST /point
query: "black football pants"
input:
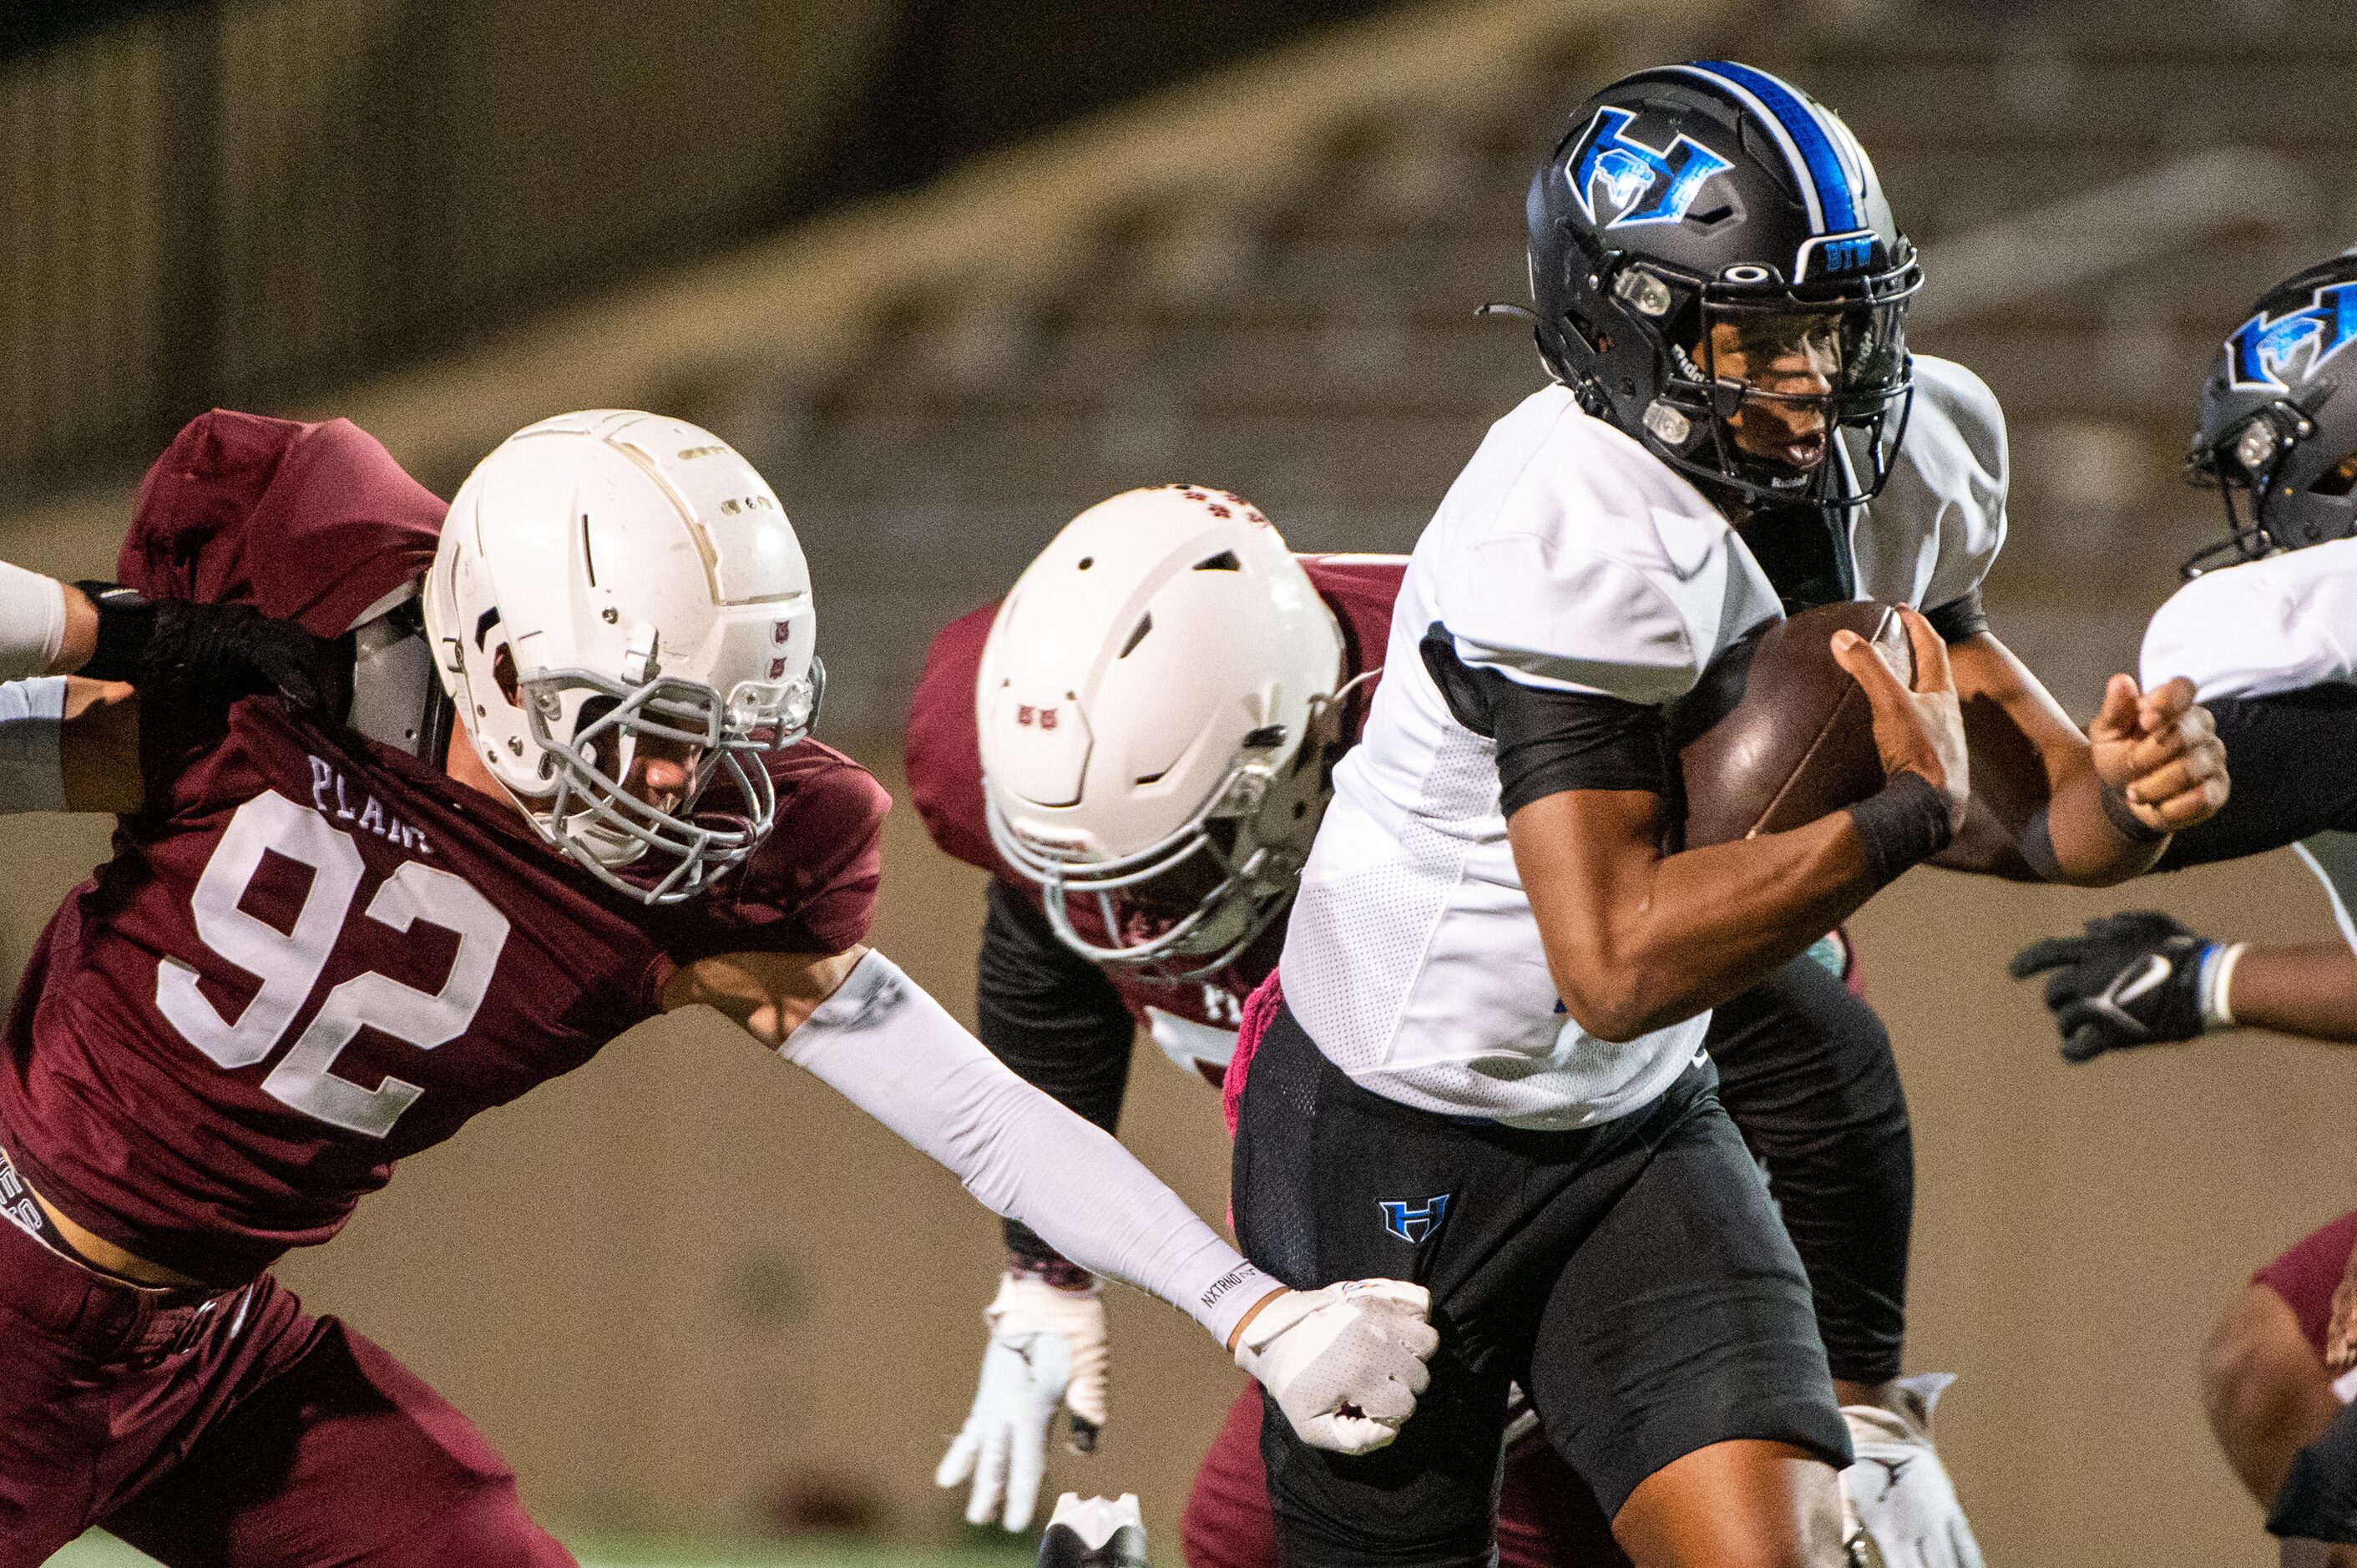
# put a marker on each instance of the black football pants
(1805, 1069)
(1632, 1277)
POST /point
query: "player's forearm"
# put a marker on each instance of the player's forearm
(890, 1050)
(47, 628)
(2035, 783)
(2085, 837)
(1639, 941)
(2306, 989)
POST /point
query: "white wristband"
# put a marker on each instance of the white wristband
(2217, 982)
(32, 777)
(32, 622)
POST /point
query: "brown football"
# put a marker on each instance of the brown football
(1776, 734)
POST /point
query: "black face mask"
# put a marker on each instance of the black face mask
(1804, 550)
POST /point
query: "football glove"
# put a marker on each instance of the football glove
(2318, 1499)
(1047, 1347)
(2138, 978)
(1344, 1363)
(1899, 1492)
(226, 651)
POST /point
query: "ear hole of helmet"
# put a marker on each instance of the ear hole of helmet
(503, 671)
(2339, 479)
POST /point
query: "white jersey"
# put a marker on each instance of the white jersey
(1564, 556)
(2282, 624)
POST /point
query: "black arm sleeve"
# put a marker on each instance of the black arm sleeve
(1550, 741)
(2293, 760)
(1959, 618)
(1050, 1014)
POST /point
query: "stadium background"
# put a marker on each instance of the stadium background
(950, 270)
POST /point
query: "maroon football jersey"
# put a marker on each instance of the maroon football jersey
(312, 955)
(944, 763)
(2310, 1273)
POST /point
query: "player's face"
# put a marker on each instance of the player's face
(1787, 364)
(660, 771)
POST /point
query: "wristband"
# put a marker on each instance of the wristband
(125, 621)
(2217, 979)
(2124, 819)
(1902, 824)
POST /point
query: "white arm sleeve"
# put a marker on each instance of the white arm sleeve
(32, 622)
(32, 777)
(890, 1050)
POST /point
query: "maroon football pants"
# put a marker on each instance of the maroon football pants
(1547, 1518)
(240, 1433)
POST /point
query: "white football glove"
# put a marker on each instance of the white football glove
(1047, 1347)
(1345, 1363)
(1898, 1490)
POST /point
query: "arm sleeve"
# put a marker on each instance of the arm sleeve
(2279, 795)
(890, 1050)
(1052, 1017)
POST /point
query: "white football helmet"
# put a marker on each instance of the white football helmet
(607, 578)
(1160, 689)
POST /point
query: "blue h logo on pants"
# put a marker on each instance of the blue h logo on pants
(1412, 1224)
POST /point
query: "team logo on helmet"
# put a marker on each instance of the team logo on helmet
(1642, 183)
(2260, 349)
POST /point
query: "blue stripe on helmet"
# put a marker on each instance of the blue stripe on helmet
(1805, 122)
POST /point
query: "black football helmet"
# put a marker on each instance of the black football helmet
(1709, 247)
(2277, 435)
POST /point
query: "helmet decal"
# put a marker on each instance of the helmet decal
(1811, 143)
(1644, 185)
(2261, 349)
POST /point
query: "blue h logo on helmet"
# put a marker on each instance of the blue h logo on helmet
(2258, 351)
(1643, 185)
(1412, 1224)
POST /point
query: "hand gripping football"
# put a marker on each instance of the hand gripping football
(1776, 735)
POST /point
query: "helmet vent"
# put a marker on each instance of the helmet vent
(1268, 738)
(1151, 778)
(1144, 625)
(1225, 561)
(589, 558)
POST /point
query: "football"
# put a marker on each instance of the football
(1776, 734)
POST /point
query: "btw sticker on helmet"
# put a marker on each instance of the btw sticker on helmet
(1642, 183)
(2261, 349)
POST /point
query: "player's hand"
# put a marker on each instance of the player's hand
(1344, 1363)
(1919, 730)
(1047, 1347)
(2159, 753)
(236, 651)
(2134, 979)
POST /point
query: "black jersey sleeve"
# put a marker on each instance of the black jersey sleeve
(2292, 757)
(1053, 1017)
(1550, 741)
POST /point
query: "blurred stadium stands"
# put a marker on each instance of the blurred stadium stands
(1263, 278)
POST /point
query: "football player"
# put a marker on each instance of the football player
(1172, 624)
(574, 790)
(1496, 978)
(2262, 629)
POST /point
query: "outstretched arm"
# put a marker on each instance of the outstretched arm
(2140, 978)
(1344, 1362)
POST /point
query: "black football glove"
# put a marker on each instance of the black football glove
(2134, 979)
(222, 652)
(2318, 1499)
